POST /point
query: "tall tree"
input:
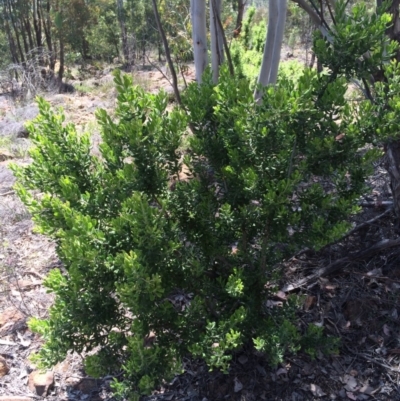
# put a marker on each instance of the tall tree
(217, 39)
(276, 26)
(45, 11)
(37, 23)
(124, 35)
(199, 34)
(273, 43)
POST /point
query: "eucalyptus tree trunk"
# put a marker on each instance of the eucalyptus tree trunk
(280, 30)
(239, 19)
(11, 43)
(45, 13)
(199, 34)
(217, 38)
(62, 61)
(124, 35)
(37, 24)
(28, 30)
(16, 31)
(272, 51)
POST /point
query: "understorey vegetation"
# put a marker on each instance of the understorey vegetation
(172, 240)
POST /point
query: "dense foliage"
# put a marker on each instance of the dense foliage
(171, 241)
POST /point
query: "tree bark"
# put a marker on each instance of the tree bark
(62, 60)
(16, 33)
(217, 40)
(265, 71)
(167, 54)
(273, 44)
(11, 42)
(29, 32)
(280, 30)
(22, 30)
(36, 24)
(239, 19)
(199, 34)
(47, 34)
(124, 35)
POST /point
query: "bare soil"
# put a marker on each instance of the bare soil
(358, 302)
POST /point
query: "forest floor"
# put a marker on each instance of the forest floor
(351, 288)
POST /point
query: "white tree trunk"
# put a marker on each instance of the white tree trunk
(280, 30)
(199, 34)
(273, 18)
(217, 40)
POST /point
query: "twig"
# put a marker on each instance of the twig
(167, 54)
(331, 268)
(364, 356)
(330, 12)
(8, 193)
(310, 11)
(32, 272)
(377, 277)
(372, 360)
(180, 64)
(301, 252)
(367, 223)
(377, 204)
(159, 70)
(227, 51)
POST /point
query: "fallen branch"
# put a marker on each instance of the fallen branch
(367, 223)
(333, 267)
(377, 204)
(8, 193)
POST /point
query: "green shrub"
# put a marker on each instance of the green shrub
(170, 251)
(291, 69)
(188, 259)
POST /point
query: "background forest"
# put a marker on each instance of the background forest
(57, 33)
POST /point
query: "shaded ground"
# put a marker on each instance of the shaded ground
(358, 302)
